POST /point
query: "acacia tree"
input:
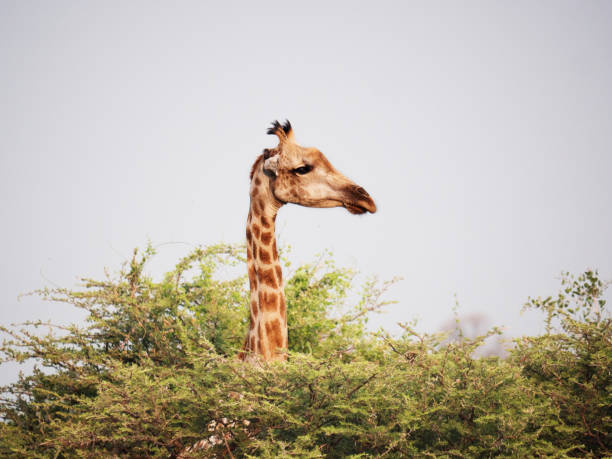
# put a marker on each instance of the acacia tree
(152, 372)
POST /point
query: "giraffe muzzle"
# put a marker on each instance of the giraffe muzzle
(358, 201)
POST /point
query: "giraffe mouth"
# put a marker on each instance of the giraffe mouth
(354, 209)
(359, 209)
(359, 201)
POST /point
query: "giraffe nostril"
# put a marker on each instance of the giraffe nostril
(360, 191)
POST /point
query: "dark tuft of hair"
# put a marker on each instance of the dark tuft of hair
(287, 126)
(275, 127)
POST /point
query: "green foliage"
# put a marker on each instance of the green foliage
(571, 365)
(153, 373)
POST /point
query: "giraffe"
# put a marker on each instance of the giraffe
(294, 174)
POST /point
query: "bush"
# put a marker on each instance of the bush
(153, 373)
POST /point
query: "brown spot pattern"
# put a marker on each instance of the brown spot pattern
(249, 235)
(283, 306)
(266, 237)
(256, 230)
(267, 277)
(257, 181)
(275, 334)
(269, 303)
(261, 343)
(264, 256)
(265, 222)
(274, 251)
(254, 308)
(252, 277)
(255, 165)
(279, 273)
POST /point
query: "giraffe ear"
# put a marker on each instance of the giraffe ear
(270, 165)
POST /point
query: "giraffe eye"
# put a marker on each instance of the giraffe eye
(302, 170)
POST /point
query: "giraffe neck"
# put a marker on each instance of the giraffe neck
(267, 336)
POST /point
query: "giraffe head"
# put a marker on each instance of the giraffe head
(304, 176)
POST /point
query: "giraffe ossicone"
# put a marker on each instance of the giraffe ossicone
(288, 173)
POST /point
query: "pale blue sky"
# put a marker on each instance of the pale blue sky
(483, 130)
